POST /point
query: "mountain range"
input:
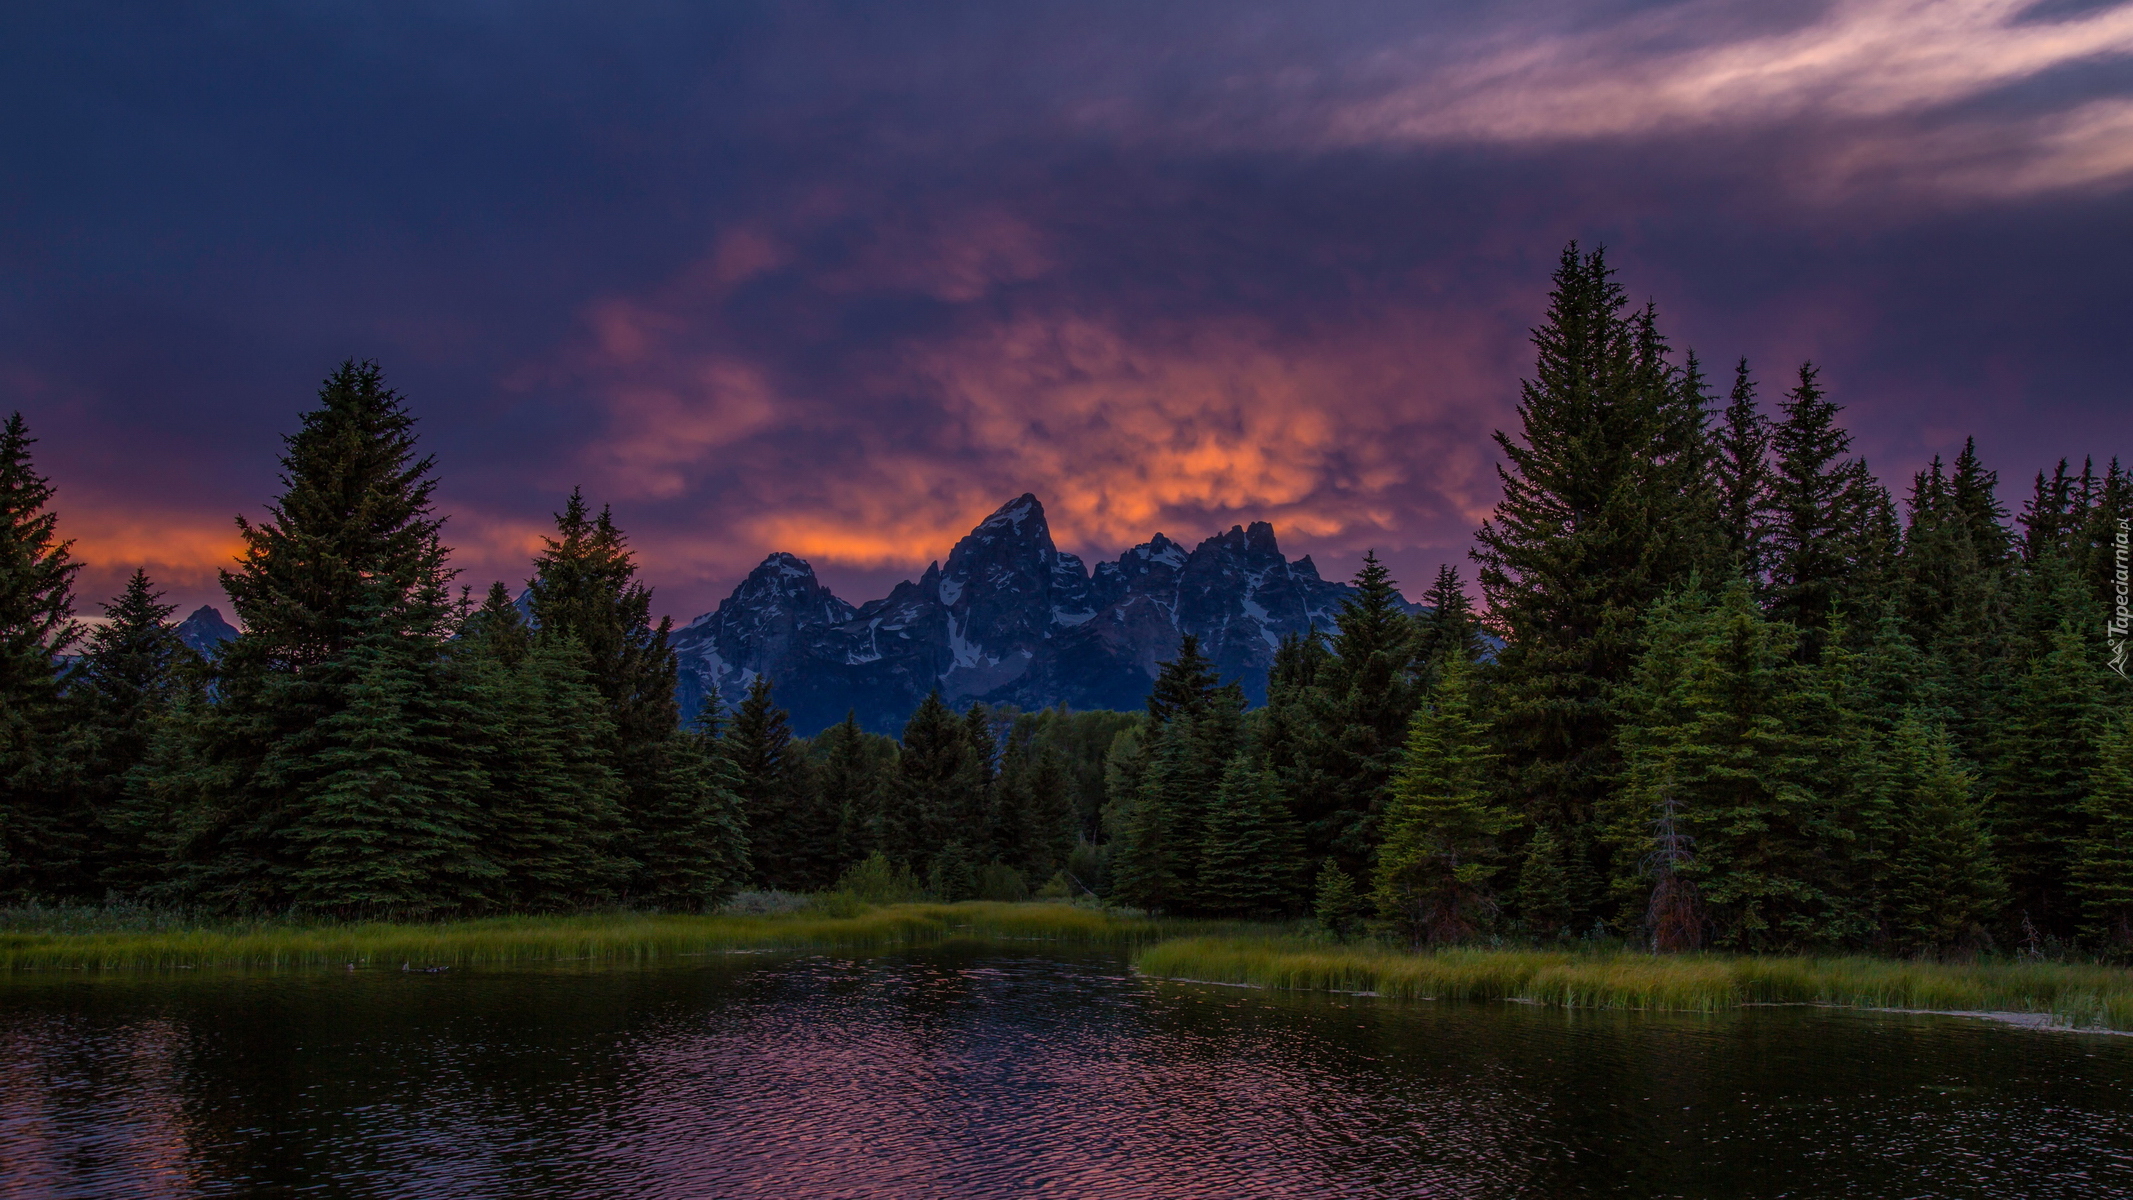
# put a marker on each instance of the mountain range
(1009, 619)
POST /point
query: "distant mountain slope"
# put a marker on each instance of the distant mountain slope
(1009, 619)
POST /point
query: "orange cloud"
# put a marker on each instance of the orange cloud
(1344, 439)
(175, 548)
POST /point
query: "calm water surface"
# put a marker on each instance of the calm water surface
(983, 1071)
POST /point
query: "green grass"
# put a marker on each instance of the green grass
(2071, 994)
(607, 937)
(116, 941)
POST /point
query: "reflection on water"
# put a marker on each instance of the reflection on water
(970, 1071)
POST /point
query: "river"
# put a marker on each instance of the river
(1003, 1071)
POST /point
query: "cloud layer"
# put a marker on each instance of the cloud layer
(815, 279)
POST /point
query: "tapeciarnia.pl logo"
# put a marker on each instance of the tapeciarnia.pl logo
(2121, 622)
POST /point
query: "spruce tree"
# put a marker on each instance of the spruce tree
(43, 824)
(391, 826)
(2042, 754)
(985, 786)
(1008, 826)
(931, 798)
(585, 587)
(1336, 904)
(1154, 841)
(2052, 516)
(851, 782)
(1442, 822)
(1049, 815)
(1720, 783)
(1366, 693)
(1604, 509)
(1543, 896)
(1249, 850)
(1158, 803)
(1294, 725)
(1954, 592)
(350, 553)
(1741, 461)
(1448, 627)
(1184, 684)
(792, 829)
(553, 821)
(1827, 530)
(133, 669)
(500, 628)
(2102, 871)
(690, 834)
(1944, 888)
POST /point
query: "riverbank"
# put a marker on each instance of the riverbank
(597, 937)
(2070, 995)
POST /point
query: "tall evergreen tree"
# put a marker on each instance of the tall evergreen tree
(585, 587)
(1366, 693)
(132, 670)
(43, 838)
(1249, 850)
(985, 785)
(350, 553)
(933, 799)
(1440, 852)
(1050, 818)
(1184, 684)
(1741, 460)
(792, 825)
(1604, 509)
(1159, 832)
(850, 781)
(1292, 728)
(553, 799)
(691, 837)
(1830, 523)
(1448, 627)
(2052, 516)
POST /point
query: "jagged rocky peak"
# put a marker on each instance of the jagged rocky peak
(784, 585)
(205, 630)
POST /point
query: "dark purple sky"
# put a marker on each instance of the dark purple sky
(840, 278)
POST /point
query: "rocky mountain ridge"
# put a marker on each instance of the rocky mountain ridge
(1010, 619)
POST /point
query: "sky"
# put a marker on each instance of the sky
(839, 279)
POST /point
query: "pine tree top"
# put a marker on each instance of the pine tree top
(36, 568)
(352, 526)
(1185, 684)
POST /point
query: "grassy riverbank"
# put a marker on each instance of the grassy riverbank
(2073, 994)
(600, 937)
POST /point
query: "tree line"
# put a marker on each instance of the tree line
(1725, 690)
(1737, 696)
(372, 743)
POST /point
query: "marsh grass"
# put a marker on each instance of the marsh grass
(601, 937)
(2082, 996)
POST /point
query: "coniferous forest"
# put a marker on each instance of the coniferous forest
(1727, 689)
